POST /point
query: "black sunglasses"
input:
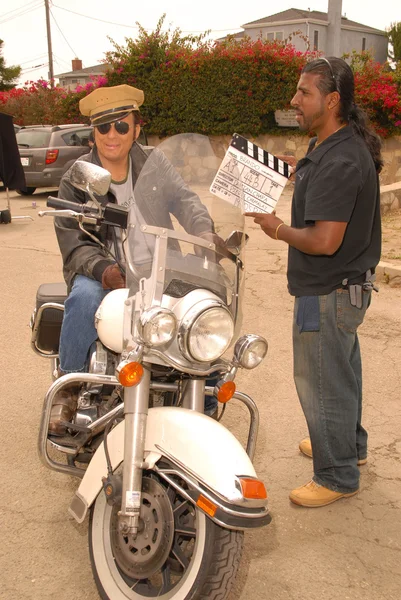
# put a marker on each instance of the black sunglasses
(122, 127)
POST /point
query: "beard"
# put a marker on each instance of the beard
(308, 123)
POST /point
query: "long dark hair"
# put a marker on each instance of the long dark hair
(337, 76)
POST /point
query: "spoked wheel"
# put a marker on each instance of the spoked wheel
(177, 554)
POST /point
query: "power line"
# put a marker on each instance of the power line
(132, 26)
(62, 60)
(31, 59)
(25, 72)
(20, 14)
(25, 6)
(67, 42)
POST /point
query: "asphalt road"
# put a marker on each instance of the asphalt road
(350, 549)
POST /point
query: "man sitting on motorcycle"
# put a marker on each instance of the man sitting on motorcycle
(90, 273)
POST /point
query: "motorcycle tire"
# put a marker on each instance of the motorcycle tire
(202, 559)
(27, 192)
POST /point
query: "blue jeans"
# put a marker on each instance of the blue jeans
(78, 330)
(328, 378)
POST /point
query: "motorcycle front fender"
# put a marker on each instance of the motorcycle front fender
(200, 447)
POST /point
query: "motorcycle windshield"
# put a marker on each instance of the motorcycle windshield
(181, 236)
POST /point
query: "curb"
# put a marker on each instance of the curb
(389, 273)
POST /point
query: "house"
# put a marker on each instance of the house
(314, 30)
(80, 76)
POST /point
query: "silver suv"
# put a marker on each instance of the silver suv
(45, 150)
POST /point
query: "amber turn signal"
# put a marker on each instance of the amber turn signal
(206, 505)
(130, 374)
(253, 489)
(226, 392)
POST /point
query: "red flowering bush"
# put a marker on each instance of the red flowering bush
(378, 93)
(213, 88)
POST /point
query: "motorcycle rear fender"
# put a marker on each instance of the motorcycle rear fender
(206, 450)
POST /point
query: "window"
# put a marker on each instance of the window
(316, 40)
(363, 44)
(74, 80)
(33, 138)
(77, 138)
(275, 35)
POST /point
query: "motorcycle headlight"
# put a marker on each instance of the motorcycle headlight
(157, 326)
(250, 350)
(206, 334)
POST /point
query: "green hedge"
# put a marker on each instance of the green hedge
(192, 85)
(213, 89)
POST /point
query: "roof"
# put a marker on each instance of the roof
(95, 70)
(238, 35)
(296, 14)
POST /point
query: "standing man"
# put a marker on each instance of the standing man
(334, 246)
(89, 271)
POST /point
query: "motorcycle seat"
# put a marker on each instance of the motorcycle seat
(51, 292)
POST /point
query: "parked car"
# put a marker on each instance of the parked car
(46, 150)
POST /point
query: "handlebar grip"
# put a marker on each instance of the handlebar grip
(60, 204)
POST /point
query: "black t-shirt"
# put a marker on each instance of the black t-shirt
(336, 181)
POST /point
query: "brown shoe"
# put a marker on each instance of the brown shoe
(63, 409)
(314, 495)
(306, 448)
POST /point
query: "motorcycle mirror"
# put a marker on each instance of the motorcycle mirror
(90, 178)
(235, 240)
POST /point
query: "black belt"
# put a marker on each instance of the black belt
(368, 276)
(363, 283)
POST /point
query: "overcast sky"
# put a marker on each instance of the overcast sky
(23, 27)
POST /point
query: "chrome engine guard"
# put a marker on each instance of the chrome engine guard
(100, 424)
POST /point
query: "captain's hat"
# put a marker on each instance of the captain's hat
(108, 104)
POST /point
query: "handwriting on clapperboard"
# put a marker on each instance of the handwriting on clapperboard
(231, 165)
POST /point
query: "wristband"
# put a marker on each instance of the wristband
(277, 228)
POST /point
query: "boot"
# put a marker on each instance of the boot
(63, 409)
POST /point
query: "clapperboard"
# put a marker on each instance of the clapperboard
(250, 177)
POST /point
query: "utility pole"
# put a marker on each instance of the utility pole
(334, 28)
(49, 44)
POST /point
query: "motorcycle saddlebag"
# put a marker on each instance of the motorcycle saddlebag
(47, 318)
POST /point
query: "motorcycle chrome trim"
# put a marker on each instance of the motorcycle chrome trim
(35, 323)
(45, 418)
(228, 515)
(80, 217)
(204, 488)
(206, 447)
(101, 423)
(193, 394)
(199, 372)
(193, 239)
(184, 330)
(243, 344)
(148, 317)
(136, 401)
(158, 267)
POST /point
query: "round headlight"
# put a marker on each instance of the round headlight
(157, 326)
(250, 350)
(210, 334)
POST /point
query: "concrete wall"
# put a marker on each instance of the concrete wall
(297, 145)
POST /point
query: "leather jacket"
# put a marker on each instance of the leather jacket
(161, 192)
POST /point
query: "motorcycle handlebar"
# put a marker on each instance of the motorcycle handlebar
(58, 203)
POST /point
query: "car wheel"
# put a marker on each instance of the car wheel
(27, 192)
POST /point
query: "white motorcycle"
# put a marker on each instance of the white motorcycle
(169, 490)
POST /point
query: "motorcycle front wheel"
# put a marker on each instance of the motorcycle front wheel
(178, 553)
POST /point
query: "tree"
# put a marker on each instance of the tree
(394, 36)
(8, 75)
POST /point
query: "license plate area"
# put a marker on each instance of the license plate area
(25, 161)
